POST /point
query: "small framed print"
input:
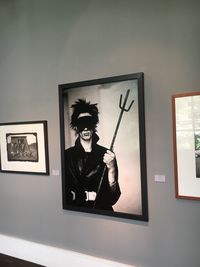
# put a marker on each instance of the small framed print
(24, 147)
(186, 135)
(103, 146)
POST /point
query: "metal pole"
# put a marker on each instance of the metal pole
(122, 107)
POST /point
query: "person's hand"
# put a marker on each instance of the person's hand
(109, 159)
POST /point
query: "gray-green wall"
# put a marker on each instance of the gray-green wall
(44, 43)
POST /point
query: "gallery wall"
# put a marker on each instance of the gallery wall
(46, 43)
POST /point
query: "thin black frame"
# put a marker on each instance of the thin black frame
(44, 136)
(63, 89)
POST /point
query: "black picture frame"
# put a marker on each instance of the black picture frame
(24, 147)
(129, 146)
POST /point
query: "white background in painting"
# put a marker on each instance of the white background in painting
(126, 145)
(188, 183)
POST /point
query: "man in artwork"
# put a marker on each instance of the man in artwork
(85, 163)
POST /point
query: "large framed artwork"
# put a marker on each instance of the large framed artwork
(24, 147)
(103, 154)
(186, 135)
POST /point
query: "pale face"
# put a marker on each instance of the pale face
(86, 134)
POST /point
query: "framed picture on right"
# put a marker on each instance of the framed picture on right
(186, 136)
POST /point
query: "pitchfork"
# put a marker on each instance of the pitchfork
(123, 108)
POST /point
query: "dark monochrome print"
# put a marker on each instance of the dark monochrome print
(22, 147)
(197, 154)
(86, 160)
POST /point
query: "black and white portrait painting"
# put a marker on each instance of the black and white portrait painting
(103, 146)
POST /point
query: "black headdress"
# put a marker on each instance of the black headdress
(81, 106)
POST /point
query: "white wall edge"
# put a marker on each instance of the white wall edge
(50, 256)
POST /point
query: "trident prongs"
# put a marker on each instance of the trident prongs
(122, 107)
(124, 104)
